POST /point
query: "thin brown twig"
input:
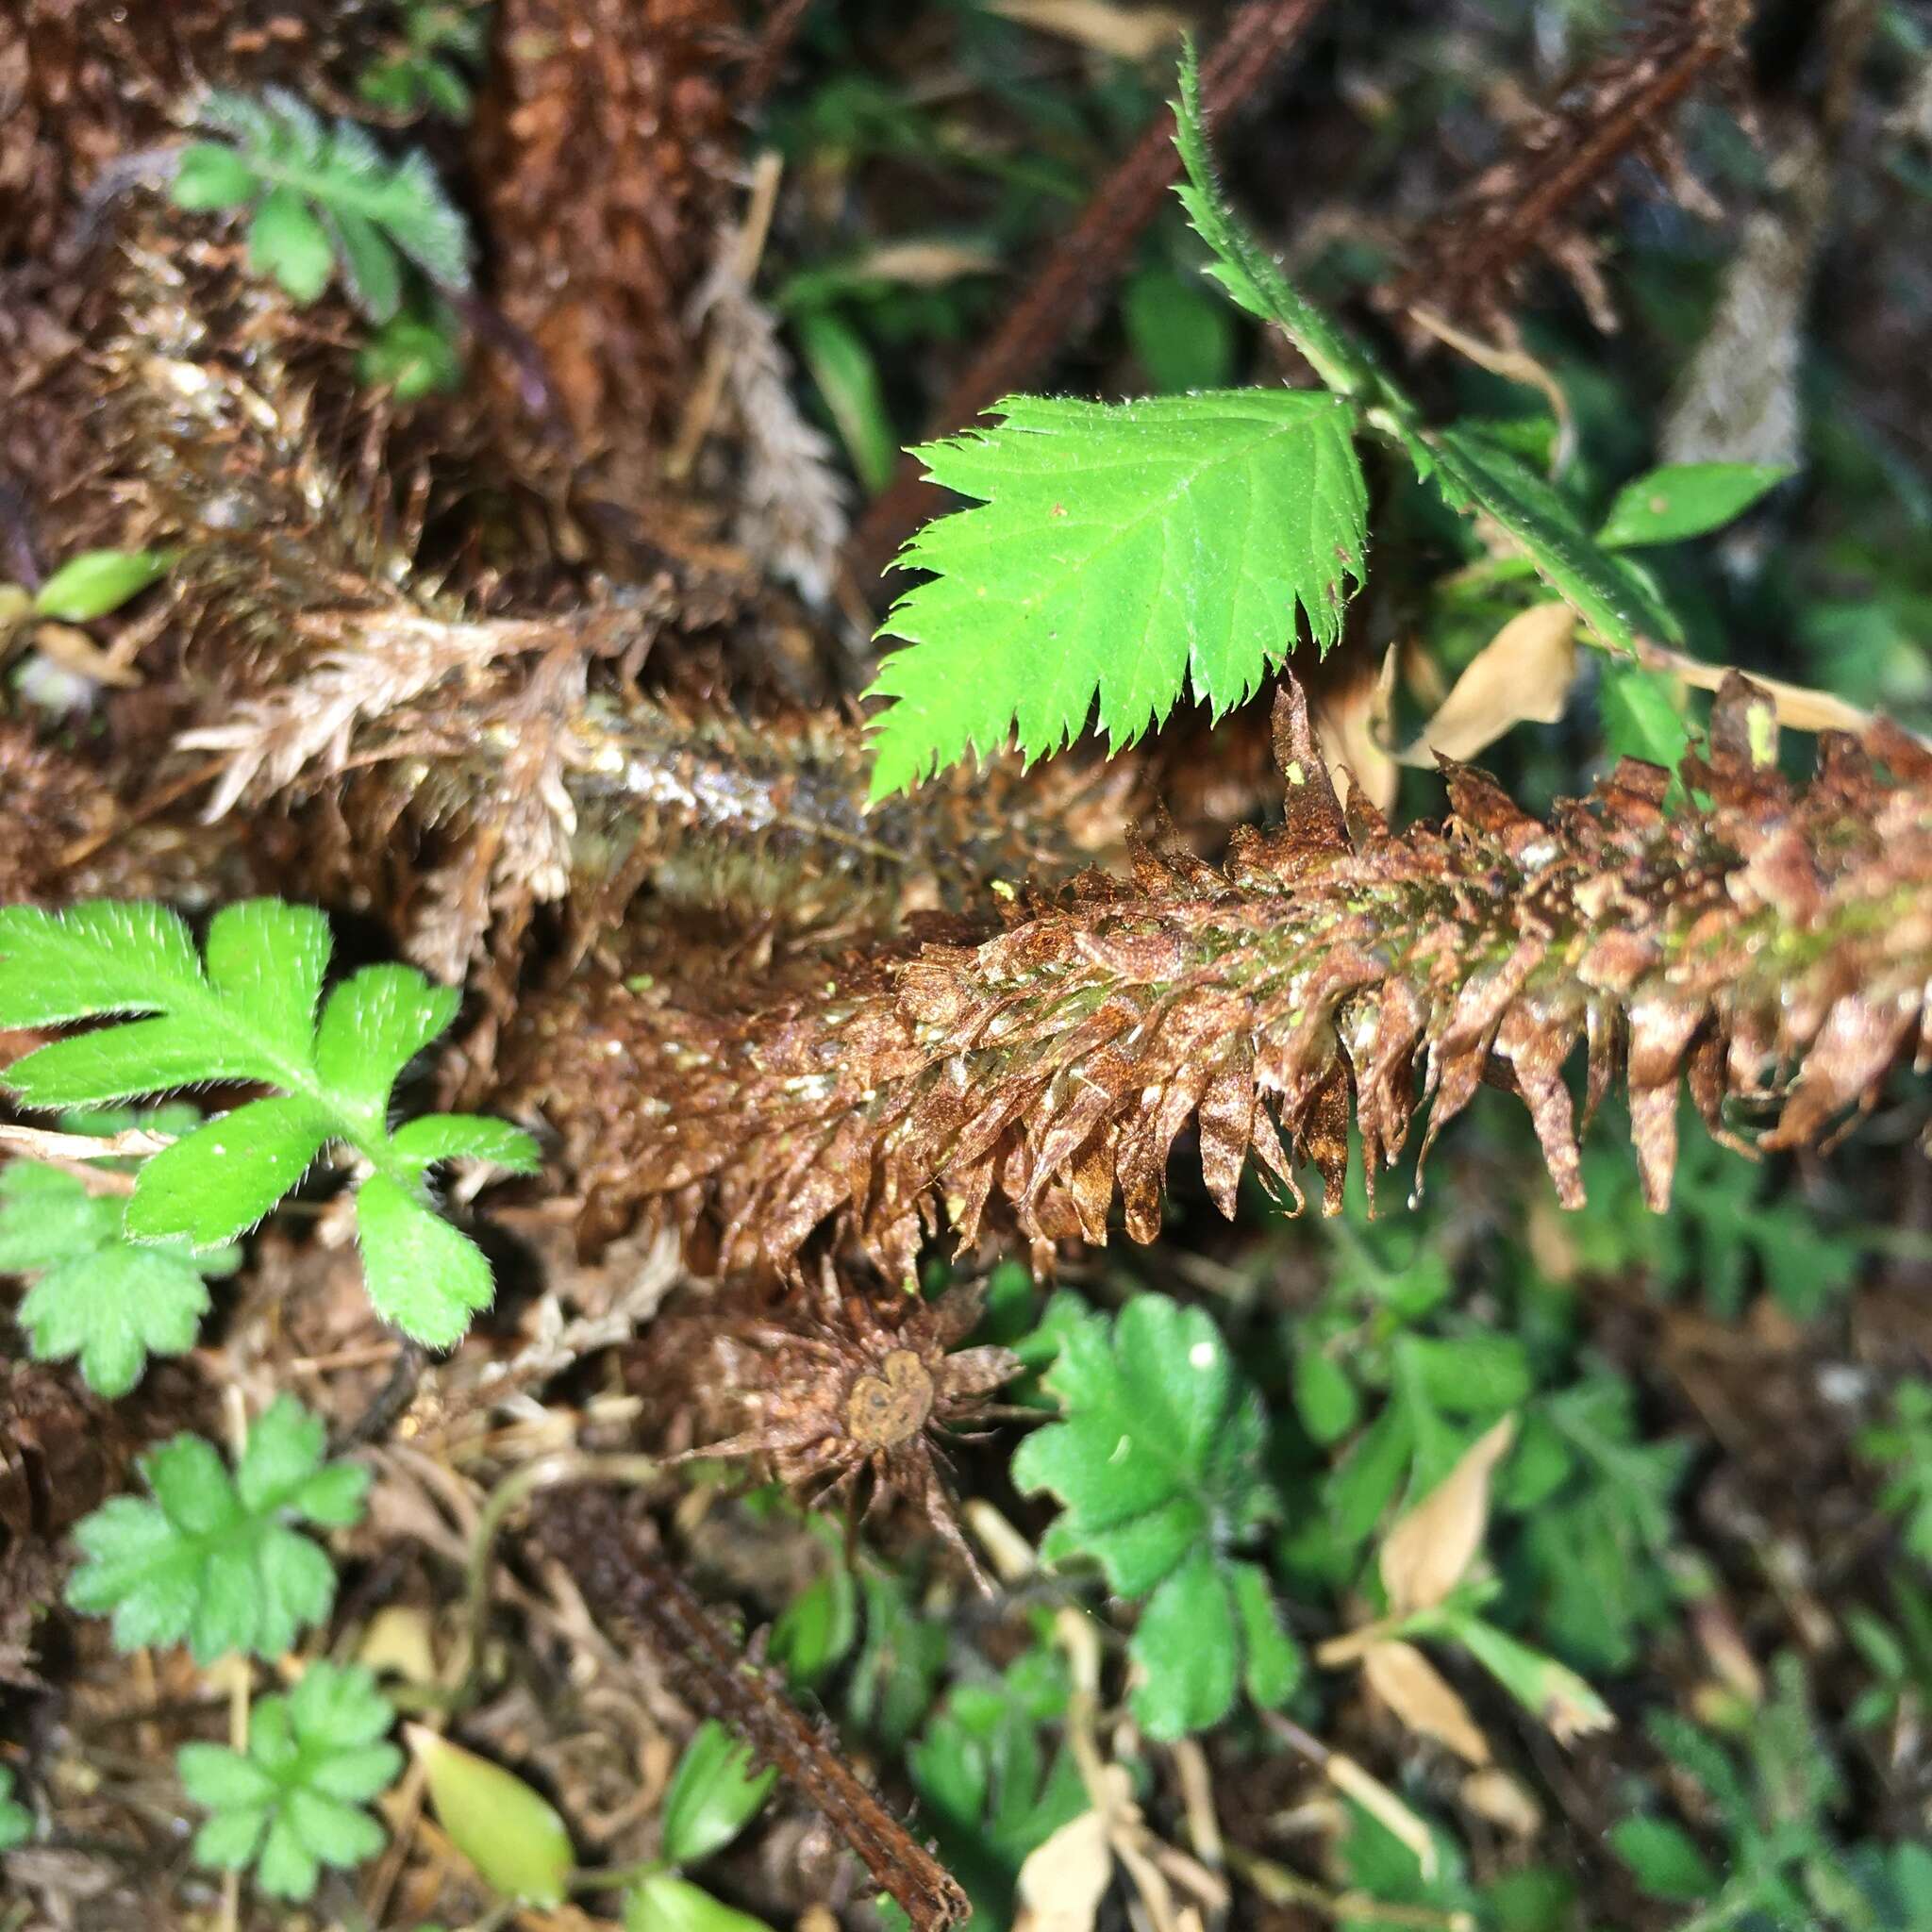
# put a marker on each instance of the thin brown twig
(1080, 268)
(585, 1531)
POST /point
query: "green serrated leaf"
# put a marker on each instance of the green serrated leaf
(712, 1795)
(113, 1309)
(368, 264)
(1683, 500)
(1473, 474)
(288, 1804)
(467, 1137)
(422, 1275)
(1120, 553)
(225, 1177)
(1642, 715)
(375, 1023)
(1272, 1661)
(1242, 267)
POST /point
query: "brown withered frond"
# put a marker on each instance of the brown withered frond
(507, 749)
(1774, 943)
(1533, 206)
(601, 143)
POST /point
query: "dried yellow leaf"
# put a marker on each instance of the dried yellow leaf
(1423, 1699)
(1427, 1552)
(1523, 674)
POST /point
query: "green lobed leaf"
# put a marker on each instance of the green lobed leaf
(225, 1177)
(210, 175)
(1123, 554)
(214, 1563)
(252, 1016)
(287, 243)
(1187, 1652)
(1681, 500)
(712, 1795)
(290, 1804)
(423, 1274)
(113, 1309)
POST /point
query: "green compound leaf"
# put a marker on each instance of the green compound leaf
(1126, 552)
(251, 1015)
(323, 197)
(1157, 1460)
(99, 1300)
(214, 1559)
(292, 1803)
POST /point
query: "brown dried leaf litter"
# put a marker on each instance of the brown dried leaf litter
(1770, 942)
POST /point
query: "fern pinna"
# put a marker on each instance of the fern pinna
(1773, 942)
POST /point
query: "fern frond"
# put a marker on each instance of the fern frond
(1774, 944)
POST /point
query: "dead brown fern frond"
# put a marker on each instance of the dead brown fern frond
(1770, 942)
(1534, 204)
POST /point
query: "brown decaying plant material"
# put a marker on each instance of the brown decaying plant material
(600, 153)
(862, 1383)
(1531, 205)
(585, 1531)
(1772, 942)
(507, 747)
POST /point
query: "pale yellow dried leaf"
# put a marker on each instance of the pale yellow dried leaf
(1492, 1794)
(1352, 727)
(1129, 33)
(1063, 1880)
(398, 1641)
(924, 264)
(1523, 674)
(1429, 1552)
(1424, 1700)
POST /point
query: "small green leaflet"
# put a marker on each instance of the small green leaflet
(1126, 552)
(712, 1795)
(252, 1016)
(293, 1802)
(16, 1820)
(1157, 1460)
(100, 1298)
(1614, 598)
(1683, 500)
(214, 1560)
(321, 198)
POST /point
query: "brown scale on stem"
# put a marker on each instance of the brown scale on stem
(1773, 942)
